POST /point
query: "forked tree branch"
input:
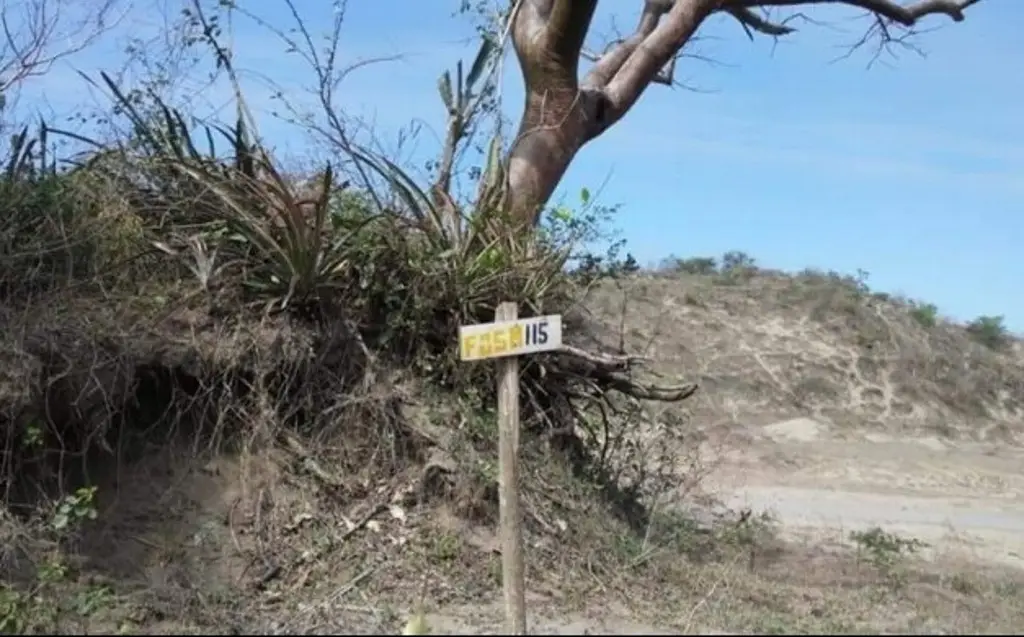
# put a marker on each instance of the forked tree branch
(563, 113)
(611, 62)
(548, 37)
(673, 29)
(666, 25)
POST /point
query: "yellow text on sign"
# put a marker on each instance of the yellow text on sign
(510, 338)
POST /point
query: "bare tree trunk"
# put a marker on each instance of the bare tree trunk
(562, 114)
(552, 131)
(547, 35)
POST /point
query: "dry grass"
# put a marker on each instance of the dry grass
(751, 583)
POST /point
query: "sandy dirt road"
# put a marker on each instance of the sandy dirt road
(965, 499)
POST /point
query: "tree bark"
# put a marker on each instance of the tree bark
(555, 125)
(548, 36)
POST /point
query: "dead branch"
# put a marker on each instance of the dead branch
(329, 72)
(618, 363)
(906, 14)
(612, 373)
(751, 21)
(36, 34)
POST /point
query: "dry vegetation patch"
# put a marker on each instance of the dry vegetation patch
(246, 407)
(182, 459)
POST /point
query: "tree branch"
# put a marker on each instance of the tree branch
(751, 21)
(614, 373)
(626, 70)
(611, 62)
(548, 37)
(567, 28)
(562, 113)
(671, 31)
(37, 36)
(907, 15)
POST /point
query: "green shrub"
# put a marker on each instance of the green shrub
(737, 267)
(926, 314)
(49, 222)
(887, 552)
(697, 265)
(989, 331)
(735, 260)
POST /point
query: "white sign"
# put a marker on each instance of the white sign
(510, 338)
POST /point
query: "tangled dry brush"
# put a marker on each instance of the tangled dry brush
(156, 294)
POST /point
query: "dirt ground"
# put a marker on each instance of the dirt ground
(958, 504)
(963, 498)
(888, 458)
(963, 502)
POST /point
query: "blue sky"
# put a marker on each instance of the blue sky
(913, 171)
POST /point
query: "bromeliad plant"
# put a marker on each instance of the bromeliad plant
(482, 259)
(289, 248)
(450, 261)
(293, 249)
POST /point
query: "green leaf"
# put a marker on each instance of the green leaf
(562, 214)
(460, 91)
(482, 56)
(585, 196)
(139, 122)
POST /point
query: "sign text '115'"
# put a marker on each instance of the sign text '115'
(510, 338)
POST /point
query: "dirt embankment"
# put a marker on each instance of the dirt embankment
(839, 409)
(887, 454)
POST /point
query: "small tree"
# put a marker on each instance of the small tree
(926, 314)
(697, 265)
(734, 260)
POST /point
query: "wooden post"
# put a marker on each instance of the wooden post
(512, 576)
(506, 339)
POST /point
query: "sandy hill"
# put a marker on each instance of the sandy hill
(766, 346)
